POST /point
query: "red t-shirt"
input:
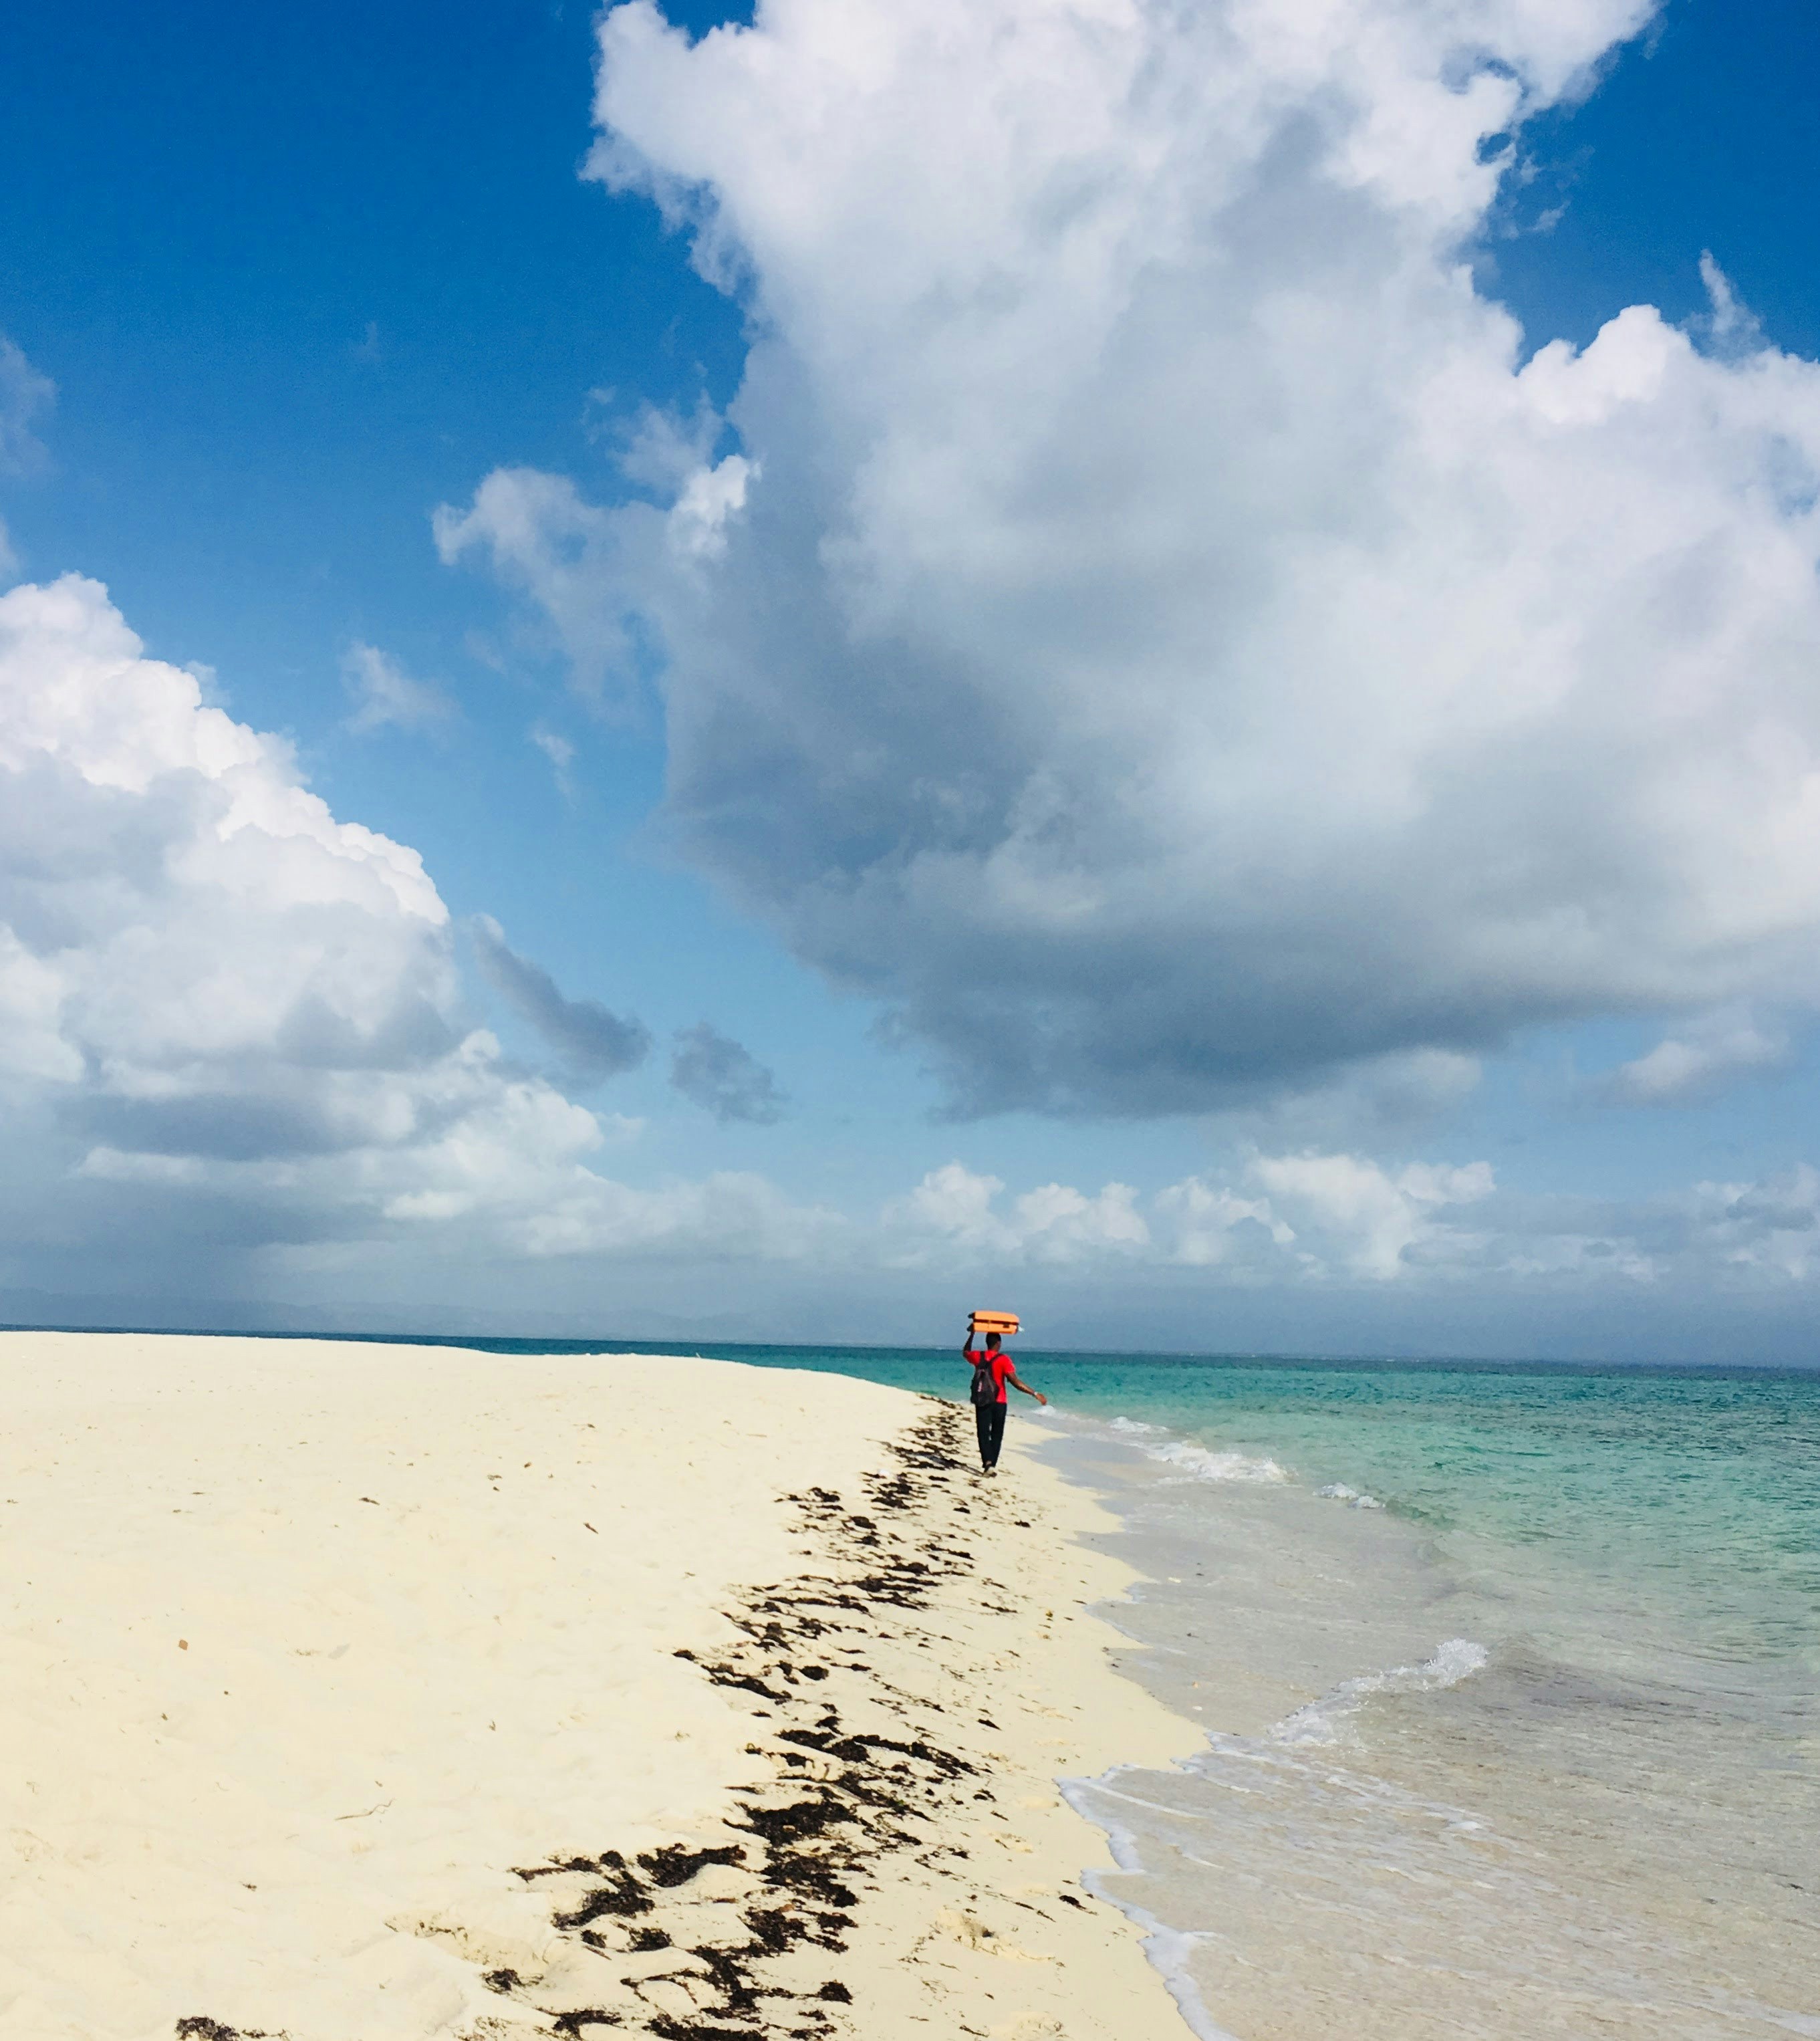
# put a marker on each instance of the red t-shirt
(1000, 1364)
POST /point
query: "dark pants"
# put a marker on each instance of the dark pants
(989, 1422)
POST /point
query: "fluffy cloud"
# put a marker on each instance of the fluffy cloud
(203, 918)
(953, 1214)
(1312, 1219)
(1297, 1217)
(231, 1025)
(1159, 633)
(234, 1056)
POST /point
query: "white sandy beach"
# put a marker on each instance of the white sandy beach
(322, 1660)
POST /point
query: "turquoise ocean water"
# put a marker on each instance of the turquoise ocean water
(1509, 1678)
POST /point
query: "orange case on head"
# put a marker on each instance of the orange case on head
(1004, 1323)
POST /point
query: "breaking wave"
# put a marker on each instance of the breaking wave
(1321, 1722)
(1207, 1463)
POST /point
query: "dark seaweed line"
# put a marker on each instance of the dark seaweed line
(814, 1840)
(801, 1844)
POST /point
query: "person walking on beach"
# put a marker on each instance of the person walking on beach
(994, 1369)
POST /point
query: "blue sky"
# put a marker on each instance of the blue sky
(300, 281)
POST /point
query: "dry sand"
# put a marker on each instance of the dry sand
(373, 1693)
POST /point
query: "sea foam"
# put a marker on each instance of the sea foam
(1203, 1463)
(1321, 1722)
(1168, 1948)
(1337, 1491)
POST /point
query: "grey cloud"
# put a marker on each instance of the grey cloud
(724, 1078)
(1161, 643)
(1374, 1104)
(220, 1126)
(411, 1034)
(592, 1043)
(1786, 1206)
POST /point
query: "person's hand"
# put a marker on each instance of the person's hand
(1041, 1398)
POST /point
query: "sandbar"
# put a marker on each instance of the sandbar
(365, 1692)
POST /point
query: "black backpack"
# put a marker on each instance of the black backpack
(985, 1383)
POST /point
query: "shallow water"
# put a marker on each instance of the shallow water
(1445, 1794)
(1508, 1680)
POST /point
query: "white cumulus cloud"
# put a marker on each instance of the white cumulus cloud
(953, 1214)
(1315, 1220)
(1367, 1220)
(1290, 1217)
(1164, 637)
(231, 1024)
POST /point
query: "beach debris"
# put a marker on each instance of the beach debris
(709, 1937)
(710, 1940)
(622, 1895)
(675, 1864)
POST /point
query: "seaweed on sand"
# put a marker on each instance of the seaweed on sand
(805, 1842)
(706, 1938)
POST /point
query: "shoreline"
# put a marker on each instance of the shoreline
(616, 1696)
